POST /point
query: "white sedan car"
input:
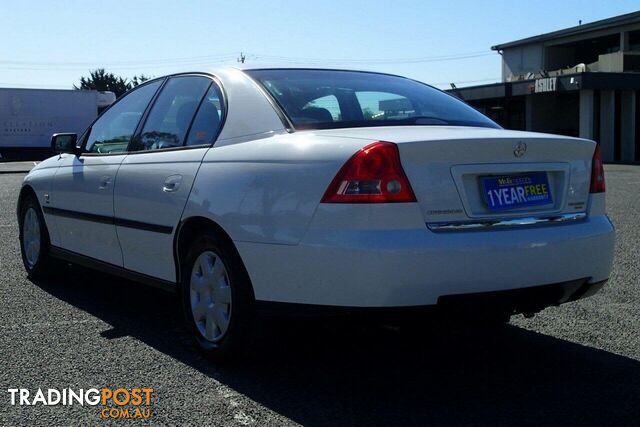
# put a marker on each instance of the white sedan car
(245, 190)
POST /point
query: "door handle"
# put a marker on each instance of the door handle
(172, 183)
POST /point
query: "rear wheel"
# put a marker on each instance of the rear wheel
(216, 297)
(34, 241)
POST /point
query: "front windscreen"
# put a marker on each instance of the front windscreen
(329, 99)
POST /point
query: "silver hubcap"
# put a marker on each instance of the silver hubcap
(210, 296)
(31, 237)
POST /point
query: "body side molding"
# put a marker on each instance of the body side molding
(164, 229)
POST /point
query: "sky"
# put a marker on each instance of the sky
(51, 44)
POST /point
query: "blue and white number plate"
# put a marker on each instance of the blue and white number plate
(516, 191)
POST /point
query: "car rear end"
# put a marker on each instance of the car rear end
(450, 216)
(546, 223)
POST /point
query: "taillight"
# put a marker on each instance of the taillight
(597, 172)
(372, 175)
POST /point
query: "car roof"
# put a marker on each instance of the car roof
(254, 67)
(214, 71)
(222, 70)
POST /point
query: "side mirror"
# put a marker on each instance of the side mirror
(64, 143)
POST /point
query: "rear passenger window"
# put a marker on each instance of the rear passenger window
(171, 114)
(206, 124)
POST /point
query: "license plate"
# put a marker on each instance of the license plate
(516, 191)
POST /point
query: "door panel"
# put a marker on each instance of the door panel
(153, 184)
(82, 198)
(82, 191)
(150, 194)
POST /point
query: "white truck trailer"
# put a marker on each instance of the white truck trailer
(28, 118)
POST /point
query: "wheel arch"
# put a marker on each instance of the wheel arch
(188, 230)
(25, 191)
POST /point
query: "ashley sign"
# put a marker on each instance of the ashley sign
(546, 85)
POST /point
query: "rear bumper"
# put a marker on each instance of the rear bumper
(513, 301)
(417, 267)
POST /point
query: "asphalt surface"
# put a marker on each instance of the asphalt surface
(578, 364)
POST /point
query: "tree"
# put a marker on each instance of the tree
(136, 80)
(101, 80)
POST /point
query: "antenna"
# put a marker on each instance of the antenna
(241, 58)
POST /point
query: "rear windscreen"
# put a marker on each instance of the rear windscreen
(328, 99)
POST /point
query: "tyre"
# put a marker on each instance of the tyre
(216, 298)
(34, 241)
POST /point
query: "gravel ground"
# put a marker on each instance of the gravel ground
(575, 364)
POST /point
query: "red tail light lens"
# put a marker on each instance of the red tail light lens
(597, 172)
(372, 175)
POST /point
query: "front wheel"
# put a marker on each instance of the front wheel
(216, 297)
(34, 240)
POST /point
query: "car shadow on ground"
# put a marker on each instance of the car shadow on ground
(327, 373)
